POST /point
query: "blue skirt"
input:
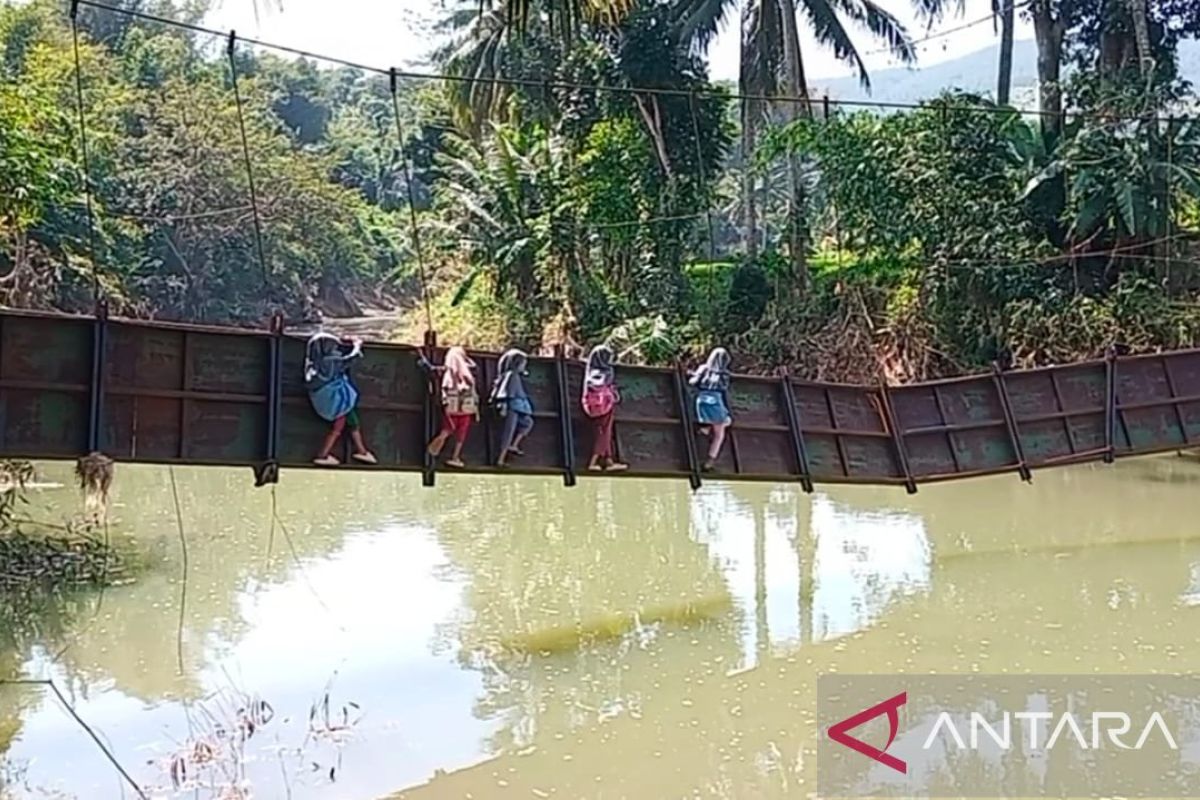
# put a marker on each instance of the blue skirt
(711, 410)
(335, 399)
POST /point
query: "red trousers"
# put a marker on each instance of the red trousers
(603, 430)
(456, 425)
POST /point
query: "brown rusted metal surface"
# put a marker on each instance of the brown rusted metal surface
(190, 394)
(954, 427)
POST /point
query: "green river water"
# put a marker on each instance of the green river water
(399, 600)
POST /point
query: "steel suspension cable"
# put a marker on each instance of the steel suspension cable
(570, 85)
(237, 98)
(85, 161)
(1169, 206)
(712, 236)
(412, 199)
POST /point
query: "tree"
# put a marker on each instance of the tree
(1006, 11)
(771, 63)
(36, 172)
(497, 197)
(1049, 28)
(173, 227)
(1141, 28)
(563, 16)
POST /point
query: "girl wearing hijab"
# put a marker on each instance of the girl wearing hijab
(600, 399)
(712, 401)
(512, 401)
(460, 404)
(333, 395)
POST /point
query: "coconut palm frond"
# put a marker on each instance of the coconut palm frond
(829, 30)
(886, 27)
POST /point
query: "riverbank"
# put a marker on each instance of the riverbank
(42, 556)
(857, 320)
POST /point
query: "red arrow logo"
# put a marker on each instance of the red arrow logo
(890, 707)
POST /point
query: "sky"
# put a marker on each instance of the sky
(389, 33)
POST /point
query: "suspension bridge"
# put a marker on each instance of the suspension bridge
(165, 393)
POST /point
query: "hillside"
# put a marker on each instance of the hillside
(972, 73)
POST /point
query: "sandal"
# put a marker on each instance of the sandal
(365, 458)
(457, 463)
(516, 451)
(326, 461)
(594, 467)
(708, 466)
(616, 466)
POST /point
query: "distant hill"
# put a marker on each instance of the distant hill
(971, 73)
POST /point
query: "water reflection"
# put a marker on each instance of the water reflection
(402, 597)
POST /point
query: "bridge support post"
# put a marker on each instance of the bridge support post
(889, 417)
(688, 426)
(1110, 405)
(566, 437)
(268, 471)
(429, 470)
(797, 434)
(1010, 422)
(95, 437)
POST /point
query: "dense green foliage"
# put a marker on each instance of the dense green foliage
(662, 211)
(175, 233)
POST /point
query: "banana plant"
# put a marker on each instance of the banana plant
(1124, 178)
(498, 200)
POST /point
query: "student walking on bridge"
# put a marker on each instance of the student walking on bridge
(712, 401)
(600, 399)
(512, 401)
(333, 395)
(460, 404)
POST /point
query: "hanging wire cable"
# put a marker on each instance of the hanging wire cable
(991, 15)
(183, 548)
(395, 74)
(568, 85)
(631, 223)
(712, 235)
(412, 199)
(287, 538)
(171, 219)
(105, 749)
(237, 97)
(85, 161)
(1168, 205)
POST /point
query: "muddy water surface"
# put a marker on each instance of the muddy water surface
(392, 609)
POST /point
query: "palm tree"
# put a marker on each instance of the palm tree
(482, 32)
(502, 189)
(1006, 11)
(772, 64)
(1141, 30)
(563, 16)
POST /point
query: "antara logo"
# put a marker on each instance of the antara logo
(890, 707)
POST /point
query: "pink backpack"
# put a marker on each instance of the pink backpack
(599, 400)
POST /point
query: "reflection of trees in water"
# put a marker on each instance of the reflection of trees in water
(1000, 609)
(537, 557)
(1131, 501)
(25, 622)
(227, 522)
